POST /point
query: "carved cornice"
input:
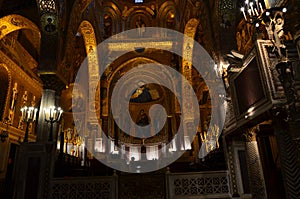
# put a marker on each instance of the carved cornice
(75, 19)
(31, 79)
(14, 49)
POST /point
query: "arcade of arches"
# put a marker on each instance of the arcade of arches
(43, 45)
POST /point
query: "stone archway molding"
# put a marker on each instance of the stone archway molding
(14, 22)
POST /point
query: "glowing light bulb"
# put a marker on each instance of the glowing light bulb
(284, 10)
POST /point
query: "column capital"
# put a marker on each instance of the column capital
(53, 82)
(250, 133)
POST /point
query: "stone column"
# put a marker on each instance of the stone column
(286, 134)
(256, 175)
(48, 99)
(228, 151)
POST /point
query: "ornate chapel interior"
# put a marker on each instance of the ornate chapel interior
(64, 66)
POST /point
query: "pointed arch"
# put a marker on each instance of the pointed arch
(165, 10)
(112, 10)
(16, 22)
(116, 74)
(190, 31)
(186, 69)
(87, 31)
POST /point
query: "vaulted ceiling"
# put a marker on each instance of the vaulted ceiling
(112, 17)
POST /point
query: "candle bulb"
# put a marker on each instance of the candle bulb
(251, 6)
(243, 11)
(46, 113)
(54, 112)
(49, 113)
(246, 4)
(256, 12)
(249, 11)
(34, 116)
(261, 8)
(257, 5)
(28, 115)
(22, 110)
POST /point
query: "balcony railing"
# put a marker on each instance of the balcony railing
(84, 187)
(198, 185)
(213, 184)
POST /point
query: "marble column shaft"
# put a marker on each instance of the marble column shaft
(256, 175)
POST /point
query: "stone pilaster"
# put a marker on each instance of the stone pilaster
(256, 175)
(53, 86)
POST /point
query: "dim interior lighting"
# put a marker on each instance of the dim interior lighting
(99, 146)
(187, 143)
(113, 148)
(250, 110)
(78, 34)
(28, 116)
(52, 115)
(257, 12)
(172, 147)
(284, 10)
